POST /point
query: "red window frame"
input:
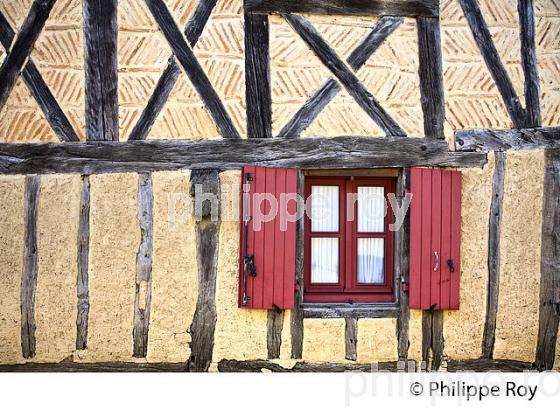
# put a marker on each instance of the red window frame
(348, 290)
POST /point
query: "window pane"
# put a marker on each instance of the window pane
(324, 208)
(371, 209)
(370, 260)
(324, 260)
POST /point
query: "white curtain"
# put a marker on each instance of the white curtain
(370, 260)
(324, 260)
(371, 209)
(324, 208)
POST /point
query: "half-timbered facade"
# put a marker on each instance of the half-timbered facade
(118, 117)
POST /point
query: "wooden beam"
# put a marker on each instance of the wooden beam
(486, 45)
(330, 88)
(350, 311)
(432, 339)
(274, 325)
(101, 75)
(526, 10)
(143, 295)
(39, 89)
(22, 46)
(351, 338)
(549, 306)
(147, 156)
(30, 269)
(487, 365)
(402, 252)
(257, 76)
(252, 366)
(404, 8)
(207, 229)
(111, 367)
(296, 322)
(193, 69)
(82, 282)
(166, 82)
(431, 76)
(346, 77)
(494, 225)
(487, 140)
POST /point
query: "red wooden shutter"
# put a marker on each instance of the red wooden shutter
(272, 248)
(435, 238)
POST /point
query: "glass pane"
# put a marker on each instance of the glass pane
(324, 208)
(370, 260)
(324, 260)
(371, 209)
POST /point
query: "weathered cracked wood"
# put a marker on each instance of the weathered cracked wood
(257, 76)
(207, 228)
(503, 139)
(100, 65)
(252, 366)
(143, 295)
(402, 252)
(313, 153)
(494, 224)
(274, 325)
(112, 367)
(431, 76)
(347, 78)
(29, 274)
(166, 82)
(351, 338)
(311, 109)
(432, 339)
(405, 8)
(349, 310)
(549, 306)
(39, 89)
(82, 282)
(296, 322)
(526, 11)
(490, 54)
(185, 56)
(487, 365)
(22, 46)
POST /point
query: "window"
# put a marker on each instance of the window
(348, 244)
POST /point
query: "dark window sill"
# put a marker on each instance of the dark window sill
(350, 310)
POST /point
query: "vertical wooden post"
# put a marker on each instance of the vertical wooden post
(275, 323)
(29, 274)
(257, 76)
(143, 297)
(207, 245)
(296, 326)
(432, 339)
(549, 310)
(431, 76)
(494, 224)
(101, 77)
(351, 338)
(402, 252)
(83, 267)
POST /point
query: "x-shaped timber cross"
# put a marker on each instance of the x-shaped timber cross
(330, 88)
(185, 56)
(15, 60)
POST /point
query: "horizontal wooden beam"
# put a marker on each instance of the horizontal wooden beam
(486, 365)
(501, 140)
(315, 153)
(349, 311)
(112, 367)
(410, 8)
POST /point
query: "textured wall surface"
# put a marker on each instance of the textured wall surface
(174, 271)
(463, 329)
(391, 74)
(114, 240)
(377, 340)
(518, 304)
(55, 301)
(323, 340)
(11, 258)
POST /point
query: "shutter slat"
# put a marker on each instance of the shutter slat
(435, 229)
(273, 249)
